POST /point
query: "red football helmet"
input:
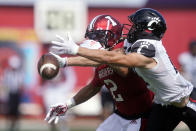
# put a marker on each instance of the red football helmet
(105, 29)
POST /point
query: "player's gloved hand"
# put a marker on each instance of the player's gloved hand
(64, 46)
(58, 111)
(55, 113)
(61, 60)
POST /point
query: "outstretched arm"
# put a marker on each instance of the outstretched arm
(111, 57)
(81, 61)
(74, 61)
(86, 93)
(67, 46)
(122, 71)
(60, 110)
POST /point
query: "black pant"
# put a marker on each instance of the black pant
(166, 118)
(13, 104)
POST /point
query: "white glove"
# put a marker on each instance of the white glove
(58, 111)
(62, 61)
(64, 46)
(55, 113)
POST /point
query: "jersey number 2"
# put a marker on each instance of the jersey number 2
(117, 97)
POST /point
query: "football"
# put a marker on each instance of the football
(48, 66)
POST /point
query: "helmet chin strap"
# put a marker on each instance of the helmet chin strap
(110, 48)
(106, 46)
(105, 43)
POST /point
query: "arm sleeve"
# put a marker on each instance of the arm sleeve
(143, 47)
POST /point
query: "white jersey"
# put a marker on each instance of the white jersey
(163, 79)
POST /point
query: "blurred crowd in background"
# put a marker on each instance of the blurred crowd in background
(28, 26)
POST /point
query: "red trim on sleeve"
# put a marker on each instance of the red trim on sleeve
(192, 100)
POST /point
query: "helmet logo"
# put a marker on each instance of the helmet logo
(112, 21)
(155, 20)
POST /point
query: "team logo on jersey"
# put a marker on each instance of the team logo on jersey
(105, 72)
(143, 44)
(143, 47)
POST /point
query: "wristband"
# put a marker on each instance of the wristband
(75, 50)
(71, 103)
(67, 63)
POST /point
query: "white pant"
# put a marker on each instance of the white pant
(116, 123)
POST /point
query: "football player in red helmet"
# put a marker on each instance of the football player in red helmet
(131, 97)
(105, 29)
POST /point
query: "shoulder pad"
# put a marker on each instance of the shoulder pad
(143, 47)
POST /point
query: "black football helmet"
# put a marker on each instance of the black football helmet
(105, 29)
(146, 21)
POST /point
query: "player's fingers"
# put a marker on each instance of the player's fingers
(48, 115)
(60, 38)
(56, 120)
(56, 56)
(69, 36)
(55, 49)
(57, 43)
(51, 119)
(57, 52)
(53, 54)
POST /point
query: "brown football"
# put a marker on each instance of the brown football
(48, 66)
